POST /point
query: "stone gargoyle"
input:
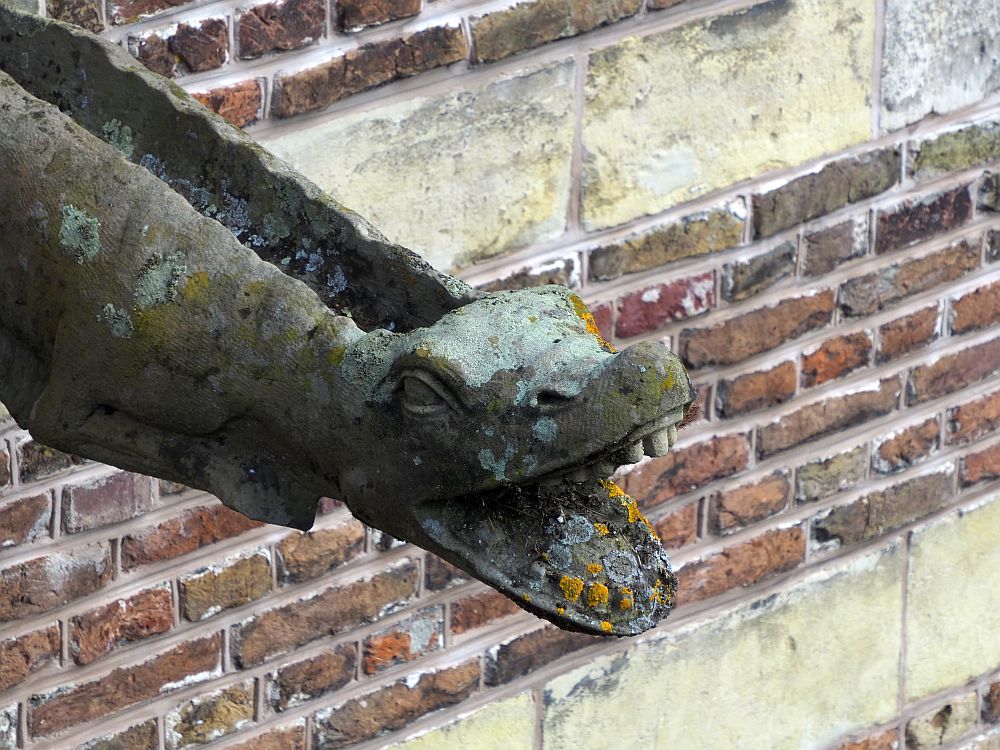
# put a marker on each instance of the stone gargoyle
(176, 301)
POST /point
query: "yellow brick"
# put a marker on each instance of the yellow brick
(457, 176)
(953, 616)
(677, 114)
(503, 725)
(794, 671)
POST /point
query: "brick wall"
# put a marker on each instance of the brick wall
(801, 196)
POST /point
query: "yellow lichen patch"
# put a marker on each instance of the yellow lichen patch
(668, 382)
(594, 568)
(526, 597)
(560, 610)
(627, 601)
(597, 594)
(612, 489)
(571, 587)
(195, 287)
(606, 626)
(422, 351)
(632, 508)
(583, 312)
(657, 595)
(602, 529)
(336, 355)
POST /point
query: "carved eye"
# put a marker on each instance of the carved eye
(422, 395)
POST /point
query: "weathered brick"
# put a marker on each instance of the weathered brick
(354, 15)
(755, 390)
(143, 736)
(279, 26)
(837, 184)
(440, 574)
(105, 500)
(527, 653)
(100, 631)
(367, 66)
(43, 583)
(836, 357)
(887, 739)
(991, 704)
(304, 680)
(303, 556)
(562, 271)
(36, 461)
(974, 420)
(884, 511)
(207, 717)
(865, 295)
(825, 249)
(747, 278)
(394, 706)
(185, 664)
(821, 418)
(224, 585)
(25, 520)
(993, 245)
(480, 609)
(153, 51)
(977, 309)
(171, 488)
(413, 637)
(648, 309)
(943, 724)
(981, 466)
(903, 448)
(757, 331)
(127, 11)
(686, 469)
(283, 738)
(917, 220)
(904, 335)
(5, 474)
(734, 509)
(952, 372)
(240, 104)
(959, 149)
(187, 532)
(85, 13)
(26, 654)
(744, 564)
(988, 195)
(822, 478)
(698, 234)
(332, 611)
(660, 4)
(526, 25)
(8, 727)
(678, 528)
(190, 48)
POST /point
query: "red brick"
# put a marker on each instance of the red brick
(906, 447)
(201, 47)
(304, 680)
(743, 564)
(225, 585)
(279, 26)
(440, 575)
(413, 637)
(179, 666)
(527, 653)
(191, 530)
(303, 556)
(734, 509)
(820, 418)
(752, 391)
(687, 469)
(981, 467)
(991, 704)
(25, 520)
(480, 609)
(330, 612)
(368, 66)
(22, 656)
(648, 309)
(887, 739)
(977, 309)
(953, 372)
(354, 15)
(836, 357)
(917, 220)
(974, 420)
(240, 104)
(678, 528)
(44, 583)
(285, 738)
(127, 11)
(825, 249)
(757, 331)
(887, 510)
(123, 622)
(36, 461)
(906, 334)
(394, 706)
(105, 500)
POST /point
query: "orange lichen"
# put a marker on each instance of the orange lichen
(597, 594)
(657, 595)
(611, 488)
(602, 529)
(526, 597)
(626, 602)
(571, 587)
(560, 610)
(594, 568)
(606, 626)
(583, 312)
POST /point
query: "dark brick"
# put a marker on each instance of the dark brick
(903, 448)
(25, 520)
(480, 609)
(865, 295)
(24, 655)
(531, 24)
(974, 420)
(757, 331)
(977, 309)
(988, 195)
(105, 500)
(755, 390)
(44, 583)
(405, 641)
(678, 528)
(837, 184)
(306, 555)
(85, 13)
(748, 278)
(296, 683)
(991, 704)
(918, 220)
(127, 11)
(880, 512)
(820, 418)
(279, 26)
(240, 104)
(825, 249)
(562, 271)
(953, 372)
(36, 461)
(660, 4)
(527, 653)
(960, 149)
(143, 736)
(734, 509)
(5, 475)
(906, 334)
(835, 358)
(648, 309)
(202, 47)
(353, 15)
(368, 66)
(153, 51)
(698, 234)
(993, 245)
(440, 575)
(980, 467)
(102, 630)
(819, 479)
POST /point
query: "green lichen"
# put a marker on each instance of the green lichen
(79, 234)
(119, 136)
(157, 284)
(118, 320)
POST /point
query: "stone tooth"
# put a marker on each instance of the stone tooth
(633, 454)
(672, 434)
(657, 444)
(603, 469)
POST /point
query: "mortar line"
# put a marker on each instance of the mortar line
(907, 543)
(575, 206)
(878, 52)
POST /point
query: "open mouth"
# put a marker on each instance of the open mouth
(571, 547)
